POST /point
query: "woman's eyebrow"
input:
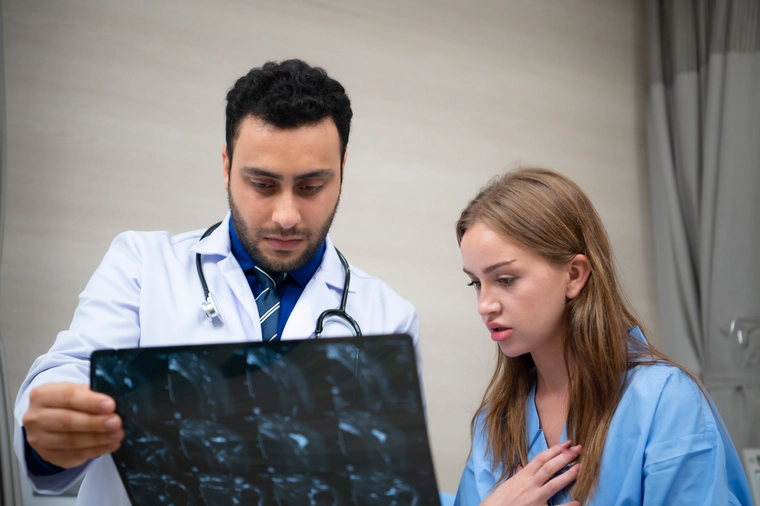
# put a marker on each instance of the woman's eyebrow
(491, 268)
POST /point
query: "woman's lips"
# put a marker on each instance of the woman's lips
(500, 334)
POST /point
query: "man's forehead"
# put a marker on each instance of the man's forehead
(259, 124)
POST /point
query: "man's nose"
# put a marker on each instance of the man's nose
(286, 212)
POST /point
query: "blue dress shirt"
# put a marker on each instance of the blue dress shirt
(665, 445)
(289, 290)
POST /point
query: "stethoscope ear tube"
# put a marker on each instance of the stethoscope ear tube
(341, 311)
(210, 309)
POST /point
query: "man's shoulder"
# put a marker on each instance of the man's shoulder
(368, 283)
(156, 239)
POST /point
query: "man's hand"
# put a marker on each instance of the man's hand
(68, 424)
(534, 484)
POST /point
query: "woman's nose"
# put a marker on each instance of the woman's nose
(486, 303)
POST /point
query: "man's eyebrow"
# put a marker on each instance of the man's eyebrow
(253, 171)
(491, 268)
(316, 174)
(319, 173)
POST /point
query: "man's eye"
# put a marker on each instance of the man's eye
(311, 188)
(261, 185)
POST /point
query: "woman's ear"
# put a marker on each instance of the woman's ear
(579, 270)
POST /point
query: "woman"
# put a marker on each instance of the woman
(574, 366)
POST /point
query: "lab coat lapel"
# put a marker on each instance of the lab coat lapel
(217, 247)
(323, 292)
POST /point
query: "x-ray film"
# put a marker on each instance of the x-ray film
(333, 422)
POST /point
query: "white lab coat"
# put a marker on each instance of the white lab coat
(146, 292)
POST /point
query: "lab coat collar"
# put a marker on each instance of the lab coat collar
(218, 243)
(332, 269)
(323, 292)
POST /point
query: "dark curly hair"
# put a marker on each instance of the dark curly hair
(288, 94)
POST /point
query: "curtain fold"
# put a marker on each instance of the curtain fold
(704, 163)
(10, 490)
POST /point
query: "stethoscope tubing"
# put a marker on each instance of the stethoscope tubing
(211, 309)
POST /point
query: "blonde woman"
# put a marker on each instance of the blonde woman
(574, 366)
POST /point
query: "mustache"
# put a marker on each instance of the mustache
(282, 232)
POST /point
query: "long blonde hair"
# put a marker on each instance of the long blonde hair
(550, 215)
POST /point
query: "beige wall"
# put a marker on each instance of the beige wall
(115, 121)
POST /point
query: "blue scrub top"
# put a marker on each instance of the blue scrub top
(665, 445)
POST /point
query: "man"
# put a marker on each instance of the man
(270, 267)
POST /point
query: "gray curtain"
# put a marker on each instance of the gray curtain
(10, 492)
(704, 163)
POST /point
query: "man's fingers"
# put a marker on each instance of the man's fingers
(72, 458)
(71, 396)
(66, 420)
(72, 441)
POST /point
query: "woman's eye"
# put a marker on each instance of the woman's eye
(476, 284)
(506, 281)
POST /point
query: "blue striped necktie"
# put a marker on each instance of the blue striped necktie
(268, 303)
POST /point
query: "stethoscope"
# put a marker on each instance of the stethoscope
(211, 309)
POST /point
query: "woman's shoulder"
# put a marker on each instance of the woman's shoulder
(655, 376)
(663, 396)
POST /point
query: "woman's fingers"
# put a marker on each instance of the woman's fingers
(559, 462)
(545, 456)
(561, 481)
(538, 481)
(549, 462)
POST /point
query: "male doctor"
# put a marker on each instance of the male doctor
(270, 266)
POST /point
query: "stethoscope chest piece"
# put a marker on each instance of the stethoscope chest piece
(211, 309)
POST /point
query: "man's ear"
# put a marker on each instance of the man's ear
(579, 269)
(343, 166)
(226, 168)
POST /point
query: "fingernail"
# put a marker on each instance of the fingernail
(112, 422)
(565, 444)
(106, 405)
(576, 448)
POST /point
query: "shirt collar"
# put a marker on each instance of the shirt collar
(302, 275)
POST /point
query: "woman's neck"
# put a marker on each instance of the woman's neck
(552, 376)
(552, 394)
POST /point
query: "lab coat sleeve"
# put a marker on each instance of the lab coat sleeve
(686, 459)
(412, 327)
(467, 493)
(107, 317)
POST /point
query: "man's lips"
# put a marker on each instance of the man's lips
(499, 333)
(283, 243)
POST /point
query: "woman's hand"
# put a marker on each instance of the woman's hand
(534, 484)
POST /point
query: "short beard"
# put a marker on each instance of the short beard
(249, 240)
